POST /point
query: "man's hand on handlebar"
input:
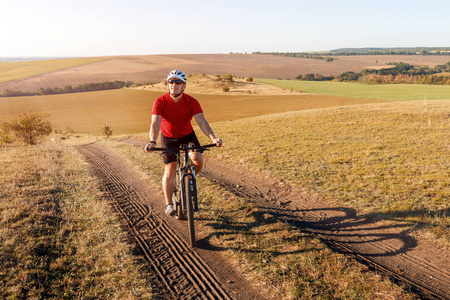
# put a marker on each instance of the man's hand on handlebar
(149, 147)
(218, 142)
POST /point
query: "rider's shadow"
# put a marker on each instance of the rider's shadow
(342, 229)
(372, 234)
(228, 227)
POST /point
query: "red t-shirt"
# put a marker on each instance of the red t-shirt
(176, 118)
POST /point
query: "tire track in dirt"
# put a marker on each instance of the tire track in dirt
(385, 247)
(180, 270)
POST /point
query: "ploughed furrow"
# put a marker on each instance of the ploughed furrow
(180, 269)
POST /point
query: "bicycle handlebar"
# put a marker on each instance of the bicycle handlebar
(184, 147)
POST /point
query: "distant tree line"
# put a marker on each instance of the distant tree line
(398, 73)
(401, 73)
(328, 55)
(86, 87)
(301, 55)
(405, 79)
(314, 77)
(393, 51)
(408, 69)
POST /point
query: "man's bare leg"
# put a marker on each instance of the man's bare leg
(168, 183)
(197, 161)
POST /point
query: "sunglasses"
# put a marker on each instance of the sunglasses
(177, 82)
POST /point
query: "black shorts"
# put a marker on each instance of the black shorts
(167, 142)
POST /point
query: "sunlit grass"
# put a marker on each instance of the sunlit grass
(390, 159)
(16, 70)
(393, 92)
(280, 260)
(59, 240)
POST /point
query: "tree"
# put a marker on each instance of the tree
(31, 128)
(40, 91)
(69, 89)
(348, 76)
(309, 77)
(7, 93)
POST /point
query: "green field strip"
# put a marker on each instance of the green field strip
(392, 92)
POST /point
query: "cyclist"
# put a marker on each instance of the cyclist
(172, 114)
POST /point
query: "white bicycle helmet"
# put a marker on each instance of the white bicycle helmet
(177, 74)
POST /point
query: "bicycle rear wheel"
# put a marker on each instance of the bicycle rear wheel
(188, 186)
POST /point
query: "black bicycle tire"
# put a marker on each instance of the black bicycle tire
(178, 195)
(194, 195)
(189, 210)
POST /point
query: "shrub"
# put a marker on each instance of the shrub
(106, 131)
(227, 77)
(249, 79)
(225, 89)
(30, 128)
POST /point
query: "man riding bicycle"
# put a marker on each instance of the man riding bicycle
(172, 114)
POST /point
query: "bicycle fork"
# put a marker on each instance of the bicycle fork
(193, 188)
(192, 183)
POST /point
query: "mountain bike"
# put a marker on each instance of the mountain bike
(184, 197)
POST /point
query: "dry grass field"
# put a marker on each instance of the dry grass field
(58, 240)
(381, 158)
(129, 110)
(154, 68)
(214, 84)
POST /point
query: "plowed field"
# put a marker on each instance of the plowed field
(154, 68)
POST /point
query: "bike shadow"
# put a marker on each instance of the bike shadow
(340, 228)
(228, 228)
(371, 234)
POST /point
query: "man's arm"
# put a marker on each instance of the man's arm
(154, 132)
(206, 128)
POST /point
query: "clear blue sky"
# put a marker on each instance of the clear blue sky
(132, 27)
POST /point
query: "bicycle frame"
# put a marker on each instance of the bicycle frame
(184, 197)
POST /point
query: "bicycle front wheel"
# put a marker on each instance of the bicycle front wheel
(177, 198)
(188, 189)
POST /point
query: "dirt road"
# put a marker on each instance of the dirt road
(182, 272)
(185, 273)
